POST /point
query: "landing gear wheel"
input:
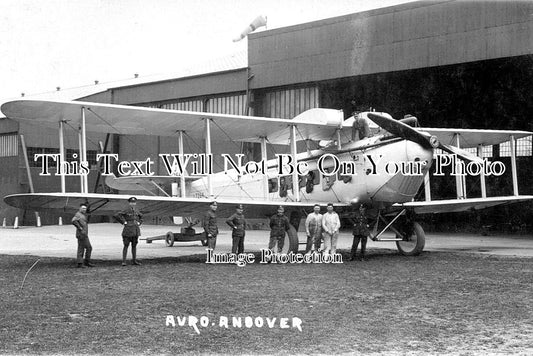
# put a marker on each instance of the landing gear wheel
(169, 239)
(292, 235)
(414, 242)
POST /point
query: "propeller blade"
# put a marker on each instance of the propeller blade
(401, 130)
(462, 154)
(424, 139)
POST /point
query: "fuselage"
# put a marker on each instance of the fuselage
(372, 170)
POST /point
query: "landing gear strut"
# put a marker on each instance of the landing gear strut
(410, 237)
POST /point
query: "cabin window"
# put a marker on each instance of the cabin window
(272, 185)
(285, 183)
(328, 181)
(346, 178)
(310, 180)
(313, 177)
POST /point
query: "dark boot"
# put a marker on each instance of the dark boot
(355, 244)
(363, 248)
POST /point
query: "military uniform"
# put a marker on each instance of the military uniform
(238, 224)
(131, 218)
(279, 224)
(360, 233)
(211, 228)
(82, 234)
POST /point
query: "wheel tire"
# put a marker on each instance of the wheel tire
(169, 239)
(204, 242)
(292, 234)
(415, 242)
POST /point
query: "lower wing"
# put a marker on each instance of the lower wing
(457, 205)
(108, 204)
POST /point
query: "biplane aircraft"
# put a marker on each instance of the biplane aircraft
(369, 158)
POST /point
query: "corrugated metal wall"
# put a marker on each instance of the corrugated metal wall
(409, 36)
(9, 145)
(219, 83)
(287, 103)
(186, 105)
(229, 104)
(232, 105)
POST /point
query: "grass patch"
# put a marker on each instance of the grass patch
(433, 303)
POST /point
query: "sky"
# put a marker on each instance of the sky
(46, 44)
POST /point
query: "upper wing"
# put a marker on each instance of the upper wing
(472, 138)
(108, 204)
(457, 205)
(134, 120)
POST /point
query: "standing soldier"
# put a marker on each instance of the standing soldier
(131, 218)
(360, 232)
(210, 225)
(279, 224)
(238, 226)
(82, 234)
(313, 228)
(331, 225)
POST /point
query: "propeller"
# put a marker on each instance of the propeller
(424, 139)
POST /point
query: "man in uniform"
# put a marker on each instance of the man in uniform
(131, 218)
(210, 225)
(313, 228)
(330, 225)
(238, 227)
(279, 224)
(82, 234)
(360, 232)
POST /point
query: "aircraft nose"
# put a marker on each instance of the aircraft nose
(403, 185)
(417, 153)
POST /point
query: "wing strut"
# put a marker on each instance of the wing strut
(264, 158)
(30, 181)
(180, 151)
(62, 152)
(512, 142)
(482, 175)
(427, 187)
(460, 181)
(295, 183)
(83, 151)
(208, 154)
